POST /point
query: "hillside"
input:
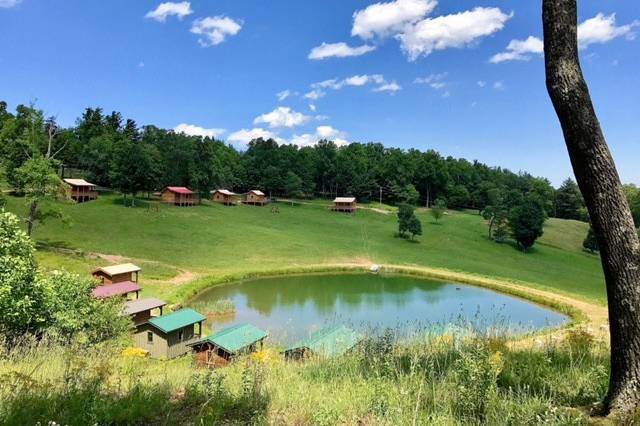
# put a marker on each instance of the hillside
(177, 244)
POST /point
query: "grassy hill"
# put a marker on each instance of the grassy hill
(215, 240)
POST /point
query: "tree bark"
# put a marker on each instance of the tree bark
(31, 219)
(599, 183)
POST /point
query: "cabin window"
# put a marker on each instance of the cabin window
(180, 335)
(149, 337)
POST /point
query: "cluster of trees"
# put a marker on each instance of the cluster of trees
(408, 222)
(58, 305)
(117, 153)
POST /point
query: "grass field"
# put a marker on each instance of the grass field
(172, 243)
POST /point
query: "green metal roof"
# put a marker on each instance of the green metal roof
(176, 320)
(233, 339)
(330, 341)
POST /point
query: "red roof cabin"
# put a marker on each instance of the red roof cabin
(80, 190)
(255, 197)
(224, 196)
(124, 289)
(117, 273)
(178, 196)
(344, 204)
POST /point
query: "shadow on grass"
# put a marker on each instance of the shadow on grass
(46, 244)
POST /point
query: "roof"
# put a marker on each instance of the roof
(176, 320)
(257, 192)
(136, 306)
(345, 200)
(112, 270)
(224, 191)
(179, 189)
(119, 289)
(330, 341)
(77, 182)
(233, 339)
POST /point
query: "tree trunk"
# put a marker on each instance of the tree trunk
(33, 208)
(607, 205)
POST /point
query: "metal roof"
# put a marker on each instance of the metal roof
(233, 339)
(330, 341)
(176, 320)
(345, 200)
(136, 306)
(257, 192)
(77, 182)
(119, 289)
(179, 189)
(112, 270)
(224, 191)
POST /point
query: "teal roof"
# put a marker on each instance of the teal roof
(330, 341)
(233, 339)
(176, 320)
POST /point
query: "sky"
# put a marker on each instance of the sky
(464, 77)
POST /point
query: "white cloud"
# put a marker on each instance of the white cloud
(338, 50)
(164, 10)
(283, 95)
(519, 50)
(601, 29)
(481, 83)
(451, 31)
(282, 117)
(322, 132)
(388, 87)
(384, 19)
(215, 29)
(499, 85)
(314, 94)
(8, 4)
(435, 81)
(354, 80)
(192, 130)
(140, 64)
(312, 107)
(244, 136)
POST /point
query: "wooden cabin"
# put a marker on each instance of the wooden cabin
(80, 190)
(224, 196)
(125, 289)
(117, 273)
(344, 204)
(327, 342)
(255, 197)
(221, 347)
(169, 336)
(142, 310)
(178, 196)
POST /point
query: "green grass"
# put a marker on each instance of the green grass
(214, 240)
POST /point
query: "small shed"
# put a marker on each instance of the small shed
(178, 196)
(327, 342)
(117, 273)
(344, 204)
(222, 346)
(256, 197)
(169, 336)
(80, 190)
(141, 310)
(224, 196)
(124, 289)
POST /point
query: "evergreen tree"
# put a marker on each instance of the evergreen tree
(590, 242)
(569, 201)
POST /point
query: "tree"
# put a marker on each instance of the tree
(293, 185)
(526, 222)
(414, 227)
(37, 179)
(405, 213)
(568, 201)
(604, 197)
(590, 243)
(438, 208)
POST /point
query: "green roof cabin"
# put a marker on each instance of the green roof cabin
(327, 342)
(169, 336)
(218, 349)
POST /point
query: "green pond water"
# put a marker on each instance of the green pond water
(291, 307)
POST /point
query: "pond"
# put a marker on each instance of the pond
(292, 307)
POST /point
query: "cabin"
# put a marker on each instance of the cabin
(142, 310)
(223, 346)
(117, 273)
(79, 190)
(178, 196)
(255, 197)
(327, 342)
(125, 289)
(169, 336)
(344, 204)
(224, 196)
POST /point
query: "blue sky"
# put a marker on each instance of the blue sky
(410, 73)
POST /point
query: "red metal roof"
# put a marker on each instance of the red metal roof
(180, 189)
(119, 289)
